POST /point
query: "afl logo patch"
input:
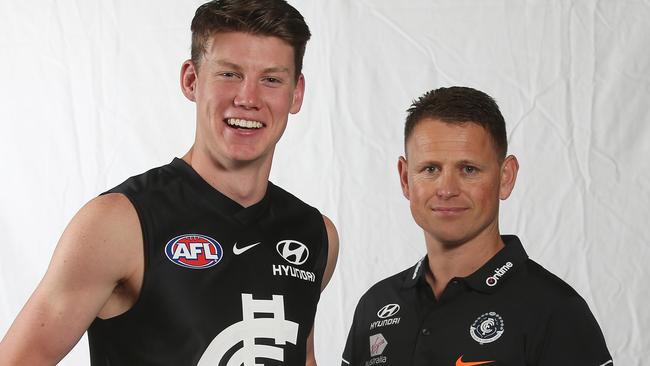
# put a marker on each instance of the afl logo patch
(487, 328)
(293, 251)
(194, 251)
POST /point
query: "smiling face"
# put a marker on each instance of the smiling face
(454, 179)
(244, 89)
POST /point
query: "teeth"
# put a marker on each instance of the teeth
(236, 122)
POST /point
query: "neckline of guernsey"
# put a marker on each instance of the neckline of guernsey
(223, 203)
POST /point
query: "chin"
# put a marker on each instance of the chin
(449, 239)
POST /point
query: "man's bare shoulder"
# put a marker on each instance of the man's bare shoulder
(100, 249)
(106, 228)
(110, 217)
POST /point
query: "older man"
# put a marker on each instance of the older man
(475, 298)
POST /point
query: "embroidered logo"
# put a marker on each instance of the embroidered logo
(487, 328)
(293, 251)
(377, 344)
(388, 311)
(498, 273)
(194, 251)
(460, 362)
(237, 251)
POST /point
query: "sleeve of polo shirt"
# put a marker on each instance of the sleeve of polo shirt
(348, 357)
(573, 337)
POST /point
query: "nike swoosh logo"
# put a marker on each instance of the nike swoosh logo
(241, 250)
(460, 362)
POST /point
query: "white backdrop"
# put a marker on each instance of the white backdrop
(89, 95)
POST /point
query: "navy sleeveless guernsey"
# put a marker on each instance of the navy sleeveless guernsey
(223, 284)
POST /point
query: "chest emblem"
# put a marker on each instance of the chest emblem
(293, 251)
(388, 311)
(194, 251)
(377, 344)
(240, 250)
(460, 362)
(385, 314)
(262, 319)
(487, 328)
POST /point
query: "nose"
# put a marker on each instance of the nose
(247, 95)
(447, 185)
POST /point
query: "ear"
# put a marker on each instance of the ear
(509, 169)
(402, 168)
(298, 94)
(188, 80)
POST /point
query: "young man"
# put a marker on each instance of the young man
(202, 261)
(475, 298)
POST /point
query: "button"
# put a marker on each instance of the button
(426, 332)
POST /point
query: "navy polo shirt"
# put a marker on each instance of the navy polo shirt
(509, 312)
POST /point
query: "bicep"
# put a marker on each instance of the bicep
(311, 357)
(82, 274)
(332, 256)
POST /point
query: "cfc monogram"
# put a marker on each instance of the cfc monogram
(250, 328)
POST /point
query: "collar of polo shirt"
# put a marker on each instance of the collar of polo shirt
(490, 276)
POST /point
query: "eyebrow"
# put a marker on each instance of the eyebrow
(229, 64)
(268, 70)
(457, 163)
(278, 69)
(470, 162)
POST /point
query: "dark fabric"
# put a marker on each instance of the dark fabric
(509, 312)
(253, 304)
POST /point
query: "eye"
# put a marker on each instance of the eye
(228, 75)
(430, 169)
(470, 170)
(272, 81)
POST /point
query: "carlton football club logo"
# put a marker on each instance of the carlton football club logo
(293, 251)
(194, 251)
(487, 328)
(262, 319)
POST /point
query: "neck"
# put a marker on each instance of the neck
(460, 260)
(243, 183)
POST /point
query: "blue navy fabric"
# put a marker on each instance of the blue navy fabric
(509, 312)
(201, 303)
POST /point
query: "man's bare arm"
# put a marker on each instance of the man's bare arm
(332, 257)
(100, 248)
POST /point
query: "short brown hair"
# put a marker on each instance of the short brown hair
(260, 17)
(459, 105)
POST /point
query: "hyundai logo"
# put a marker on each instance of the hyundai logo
(388, 311)
(293, 251)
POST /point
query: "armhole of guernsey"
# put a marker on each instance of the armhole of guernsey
(145, 252)
(321, 262)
